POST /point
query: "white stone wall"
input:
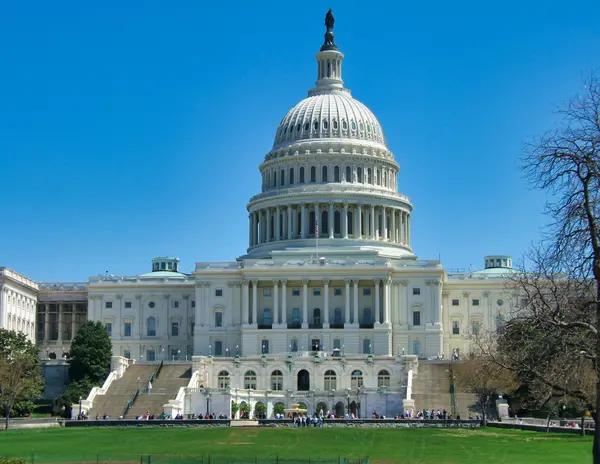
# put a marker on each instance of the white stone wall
(18, 303)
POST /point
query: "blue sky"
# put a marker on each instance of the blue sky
(134, 129)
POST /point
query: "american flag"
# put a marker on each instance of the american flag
(317, 229)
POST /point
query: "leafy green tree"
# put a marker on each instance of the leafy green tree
(244, 410)
(278, 409)
(20, 374)
(235, 407)
(260, 410)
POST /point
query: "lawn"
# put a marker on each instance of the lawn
(265, 446)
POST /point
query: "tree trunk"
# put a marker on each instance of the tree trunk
(596, 446)
(6, 417)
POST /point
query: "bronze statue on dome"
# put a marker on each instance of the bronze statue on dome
(329, 38)
(329, 20)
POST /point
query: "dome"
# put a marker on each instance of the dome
(331, 115)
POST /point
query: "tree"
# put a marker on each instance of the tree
(555, 329)
(89, 361)
(260, 410)
(485, 378)
(20, 374)
(278, 408)
(235, 407)
(244, 410)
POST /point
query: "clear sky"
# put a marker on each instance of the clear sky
(135, 129)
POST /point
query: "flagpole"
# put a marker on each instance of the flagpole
(317, 236)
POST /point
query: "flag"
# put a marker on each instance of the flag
(316, 228)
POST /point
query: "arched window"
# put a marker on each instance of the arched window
(313, 174)
(325, 124)
(385, 178)
(306, 126)
(369, 176)
(324, 226)
(350, 223)
(383, 379)
(151, 327)
(335, 124)
(330, 380)
(316, 125)
(282, 177)
(274, 179)
(324, 174)
(267, 319)
(291, 179)
(316, 316)
(303, 380)
(302, 175)
(345, 124)
(359, 175)
(348, 174)
(223, 380)
(356, 379)
(276, 381)
(250, 380)
(378, 177)
(311, 222)
(336, 174)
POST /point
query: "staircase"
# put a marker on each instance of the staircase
(171, 378)
(432, 390)
(121, 390)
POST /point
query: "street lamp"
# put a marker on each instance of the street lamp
(80, 401)
(343, 350)
(207, 402)
(162, 350)
(348, 403)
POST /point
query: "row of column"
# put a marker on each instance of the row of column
(252, 305)
(355, 221)
(44, 308)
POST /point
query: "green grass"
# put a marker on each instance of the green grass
(422, 446)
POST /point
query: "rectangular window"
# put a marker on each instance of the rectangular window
(127, 304)
(266, 292)
(218, 348)
(265, 347)
(127, 354)
(337, 344)
(366, 346)
(219, 292)
(416, 317)
(475, 302)
(218, 319)
(175, 354)
(366, 291)
(296, 292)
(174, 329)
(316, 291)
(127, 329)
(337, 291)
(294, 345)
(108, 304)
(175, 304)
(416, 291)
(455, 328)
(109, 328)
(455, 302)
(193, 303)
(192, 327)
(151, 355)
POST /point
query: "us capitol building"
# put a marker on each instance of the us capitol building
(329, 299)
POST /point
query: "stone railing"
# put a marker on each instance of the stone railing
(88, 403)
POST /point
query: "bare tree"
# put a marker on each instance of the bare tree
(553, 337)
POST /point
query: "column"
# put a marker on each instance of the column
(331, 219)
(268, 234)
(61, 314)
(377, 305)
(283, 302)
(386, 301)
(355, 321)
(384, 224)
(358, 227)
(254, 302)
(250, 235)
(318, 218)
(372, 235)
(275, 302)
(407, 229)
(402, 227)
(305, 304)
(326, 291)
(345, 220)
(303, 227)
(394, 239)
(277, 224)
(246, 303)
(290, 229)
(347, 308)
(47, 323)
(365, 224)
(73, 321)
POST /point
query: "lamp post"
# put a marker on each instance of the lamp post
(162, 350)
(226, 352)
(207, 402)
(80, 401)
(343, 350)
(209, 350)
(237, 350)
(348, 403)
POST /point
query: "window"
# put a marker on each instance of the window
(335, 124)
(294, 345)
(367, 316)
(455, 328)
(223, 380)
(313, 174)
(291, 179)
(218, 348)
(219, 292)
(337, 316)
(500, 302)
(108, 304)
(366, 291)
(127, 329)
(277, 381)
(336, 174)
(366, 346)
(416, 317)
(127, 354)
(127, 304)
(302, 175)
(359, 175)
(348, 174)
(475, 302)
(324, 174)
(296, 292)
(175, 353)
(316, 291)
(218, 319)
(296, 316)
(337, 343)
(151, 327)
(282, 177)
(193, 303)
(250, 380)
(175, 304)
(356, 379)
(337, 291)
(152, 304)
(344, 124)
(455, 302)
(416, 291)
(500, 324)
(330, 380)
(174, 329)
(266, 292)
(151, 355)
(192, 327)
(267, 319)
(383, 379)
(265, 347)
(108, 328)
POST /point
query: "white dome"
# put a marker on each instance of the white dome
(330, 115)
